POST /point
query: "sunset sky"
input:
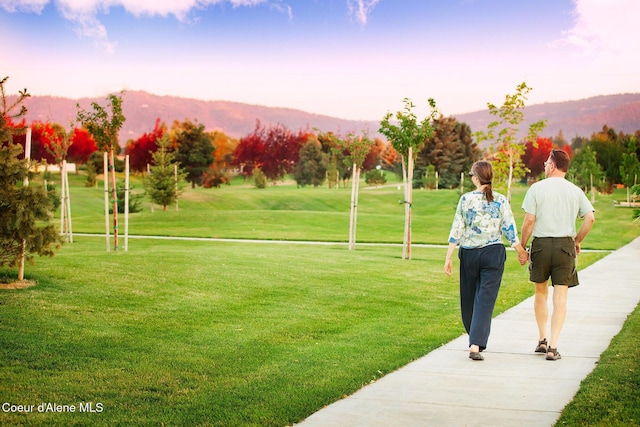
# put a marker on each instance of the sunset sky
(343, 58)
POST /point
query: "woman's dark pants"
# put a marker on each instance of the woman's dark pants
(480, 277)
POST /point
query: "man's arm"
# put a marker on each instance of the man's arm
(527, 231)
(587, 223)
(527, 228)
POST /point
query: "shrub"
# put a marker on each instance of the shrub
(375, 177)
(259, 178)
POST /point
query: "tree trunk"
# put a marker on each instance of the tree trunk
(510, 178)
(23, 250)
(352, 203)
(25, 182)
(404, 201)
(65, 204)
(106, 198)
(409, 202)
(126, 203)
(114, 199)
(175, 182)
(353, 217)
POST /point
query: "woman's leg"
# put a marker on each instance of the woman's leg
(468, 284)
(491, 269)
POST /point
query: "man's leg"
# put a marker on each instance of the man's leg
(559, 313)
(540, 308)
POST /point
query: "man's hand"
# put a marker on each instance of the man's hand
(523, 255)
(523, 258)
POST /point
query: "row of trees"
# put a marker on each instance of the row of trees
(211, 158)
(437, 145)
(187, 151)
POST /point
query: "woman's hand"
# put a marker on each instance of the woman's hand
(448, 266)
(523, 255)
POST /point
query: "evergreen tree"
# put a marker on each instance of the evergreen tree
(160, 184)
(25, 211)
(585, 170)
(332, 170)
(609, 147)
(194, 151)
(451, 150)
(630, 167)
(338, 168)
(311, 168)
(560, 141)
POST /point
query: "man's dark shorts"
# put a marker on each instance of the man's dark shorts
(553, 257)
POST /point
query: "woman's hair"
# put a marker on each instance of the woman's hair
(484, 172)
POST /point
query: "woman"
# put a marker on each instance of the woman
(482, 218)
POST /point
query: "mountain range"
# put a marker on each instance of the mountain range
(141, 109)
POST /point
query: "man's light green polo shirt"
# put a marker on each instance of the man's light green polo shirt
(556, 203)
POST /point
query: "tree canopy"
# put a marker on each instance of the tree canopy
(194, 150)
(275, 150)
(451, 150)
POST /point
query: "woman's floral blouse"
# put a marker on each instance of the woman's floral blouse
(478, 223)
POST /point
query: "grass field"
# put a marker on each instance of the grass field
(238, 333)
(284, 212)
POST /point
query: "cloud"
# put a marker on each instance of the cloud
(360, 9)
(604, 27)
(83, 13)
(12, 6)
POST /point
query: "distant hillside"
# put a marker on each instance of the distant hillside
(141, 110)
(574, 118)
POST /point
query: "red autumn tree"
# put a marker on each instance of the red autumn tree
(389, 157)
(374, 157)
(248, 153)
(274, 150)
(535, 154)
(82, 147)
(43, 138)
(141, 150)
(219, 171)
(17, 134)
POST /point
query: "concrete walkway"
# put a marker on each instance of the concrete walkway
(513, 385)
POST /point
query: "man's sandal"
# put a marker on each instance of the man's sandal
(552, 354)
(542, 346)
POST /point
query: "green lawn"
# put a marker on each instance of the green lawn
(284, 212)
(610, 395)
(229, 334)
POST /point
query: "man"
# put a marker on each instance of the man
(551, 207)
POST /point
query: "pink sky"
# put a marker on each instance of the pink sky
(344, 58)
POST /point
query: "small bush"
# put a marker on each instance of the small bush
(134, 199)
(375, 177)
(92, 176)
(259, 178)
